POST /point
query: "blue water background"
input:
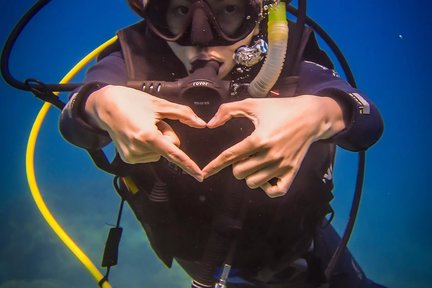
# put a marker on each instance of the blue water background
(387, 43)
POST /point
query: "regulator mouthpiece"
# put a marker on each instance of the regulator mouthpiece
(205, 68)
(250, 55)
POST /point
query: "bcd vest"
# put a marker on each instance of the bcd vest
(179, 213)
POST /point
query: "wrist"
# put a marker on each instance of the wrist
(79, 105)
(94, 103)
(332, 117)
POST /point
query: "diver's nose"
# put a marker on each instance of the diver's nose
(201, 33)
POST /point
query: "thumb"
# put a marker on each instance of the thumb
(179, 112)
(168, 132)
(225, 113)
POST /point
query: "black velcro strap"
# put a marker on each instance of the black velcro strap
(102, 281)
(79, 100)
(110, 256)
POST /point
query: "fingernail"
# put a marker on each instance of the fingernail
(199, 178)
(211, 122)
(200, 121)
(207, 174)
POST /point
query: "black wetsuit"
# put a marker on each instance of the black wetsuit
(277, 235)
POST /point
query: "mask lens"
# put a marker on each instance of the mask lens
(157, 13)
(230, 20)
(236, 18)
(178, 16)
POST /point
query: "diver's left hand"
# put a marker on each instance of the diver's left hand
(284, 130)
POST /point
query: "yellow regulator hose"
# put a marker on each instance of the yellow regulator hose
(31, 178)
(277, 42)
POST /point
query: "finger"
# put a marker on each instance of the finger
(229, 110)
(168, 132)
(262, 176)
(250, 165)
(135, 158)
(281, 186)
(175, 155)
(239, 151)
(179, 112)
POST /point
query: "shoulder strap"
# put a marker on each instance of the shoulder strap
(312, 52)
(148, 57)
(307, 50)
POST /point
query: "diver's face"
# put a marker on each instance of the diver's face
(229, 14)
(222, 54)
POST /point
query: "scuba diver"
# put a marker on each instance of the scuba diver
(226, 129)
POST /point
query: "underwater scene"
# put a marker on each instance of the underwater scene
(387, 45)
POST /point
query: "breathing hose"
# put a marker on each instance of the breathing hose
(278, 42)
(31, 177)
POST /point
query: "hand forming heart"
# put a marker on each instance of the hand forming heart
(284, 130)
(275, 149)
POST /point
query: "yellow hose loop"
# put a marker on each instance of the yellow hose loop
(31, 178)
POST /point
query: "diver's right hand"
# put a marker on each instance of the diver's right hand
(134, 122)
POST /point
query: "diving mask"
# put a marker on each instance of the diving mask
(203, 22)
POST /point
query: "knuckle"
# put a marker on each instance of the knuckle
(186, 110)
(173, 156)
(144, 136)
(275, 193)
(180, 109)
(275, 188)
(246, 101)
(141, 137)
(127, 157)
(280, 160)
(155, 100)
(223, 108)
(227, 156)
(251, 103)
(259, 140)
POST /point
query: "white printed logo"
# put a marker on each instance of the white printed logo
(328, 176)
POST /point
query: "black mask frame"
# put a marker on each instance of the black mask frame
(202, 27)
